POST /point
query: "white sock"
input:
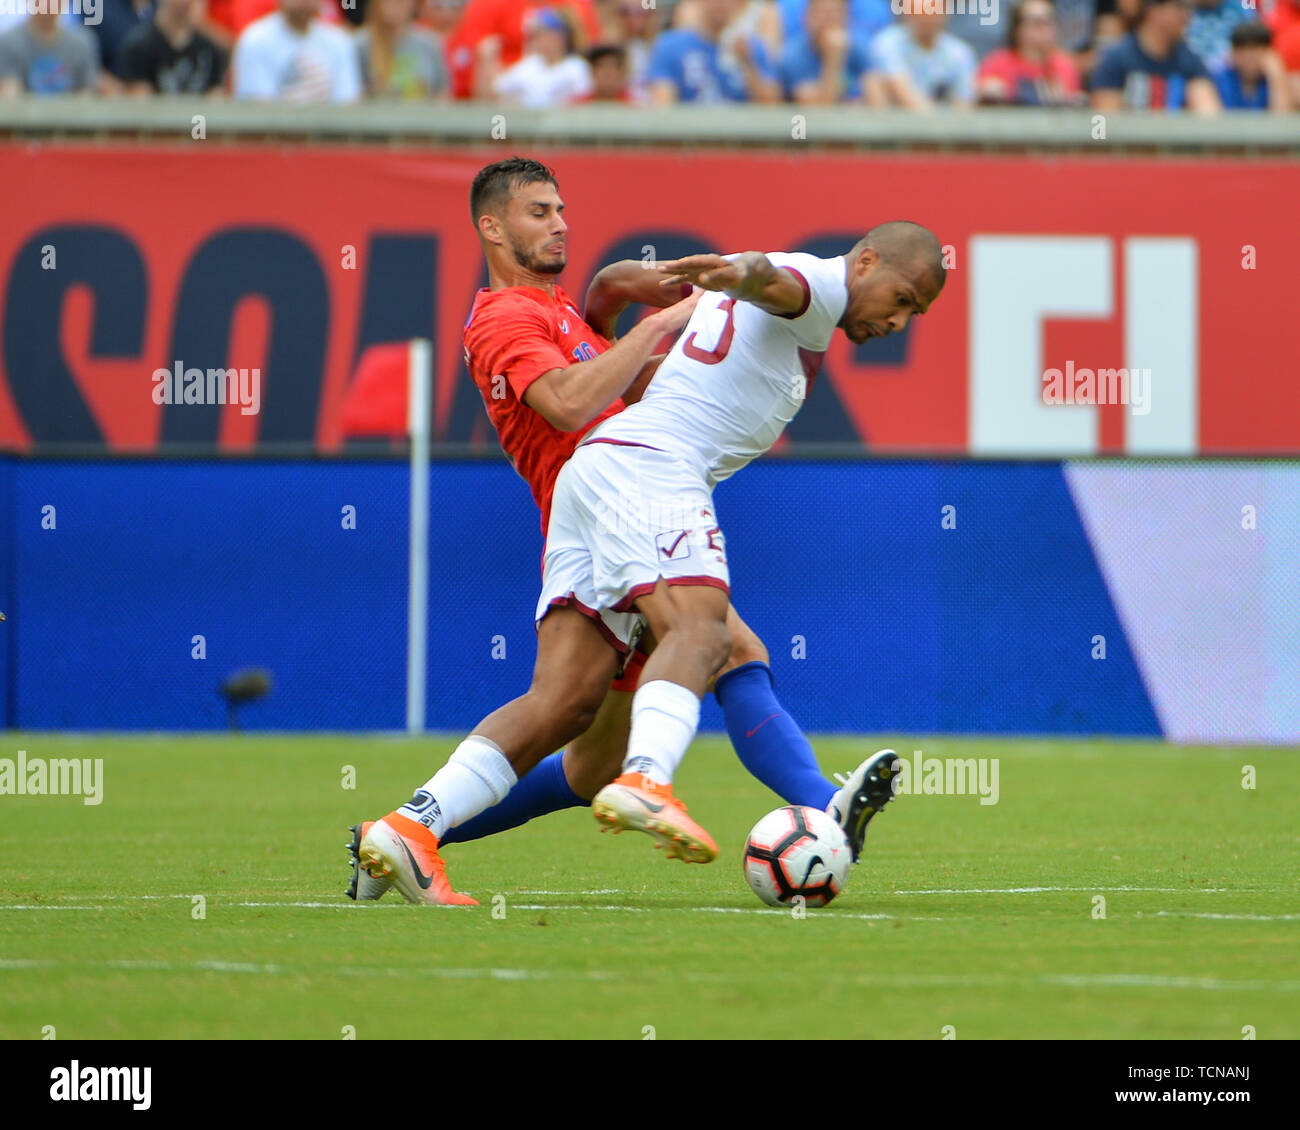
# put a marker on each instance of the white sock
(665, 717)
(476, 776)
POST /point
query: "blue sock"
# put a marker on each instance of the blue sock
(544, 790)
(767, 740)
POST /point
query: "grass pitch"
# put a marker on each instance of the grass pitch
(978, 920)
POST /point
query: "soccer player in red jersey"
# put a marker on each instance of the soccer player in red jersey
(548, 375)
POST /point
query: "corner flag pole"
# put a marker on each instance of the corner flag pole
(417, 625)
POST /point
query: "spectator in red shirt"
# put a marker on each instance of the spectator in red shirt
(1286, 39)
(218, 23)
(496, 27)
(1031, 70)
(1283, 16)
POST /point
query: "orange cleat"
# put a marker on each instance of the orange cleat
(406, 853)
(635, 802)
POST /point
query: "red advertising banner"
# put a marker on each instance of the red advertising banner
(117, 261)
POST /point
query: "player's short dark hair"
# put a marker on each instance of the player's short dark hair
(494, 184)
(1253, 34)
(906, 244)
(606, 51)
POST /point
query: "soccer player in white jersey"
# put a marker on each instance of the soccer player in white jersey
(632, 532)
(736, 377)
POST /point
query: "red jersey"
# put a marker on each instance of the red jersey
(1287, 45)
(1025, 83)
(513, 336)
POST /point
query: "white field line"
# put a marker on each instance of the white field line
(570, 894)
(1090, 890)
(959, 890)
(1231, 917)
(1146, 981)
(489, 973)
(394, 903)
(99, 899)
(699, 910)
(343, 904)
(618, 908)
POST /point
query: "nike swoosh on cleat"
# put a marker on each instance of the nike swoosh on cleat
(424, 880)
(646, 803)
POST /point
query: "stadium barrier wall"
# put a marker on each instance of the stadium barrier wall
(120, 259)
(796, 129)
(1094, 597)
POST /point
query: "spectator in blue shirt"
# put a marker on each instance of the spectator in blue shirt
(865, 17)
(1253, 78)
(1152, 68)
(823, 64)
(693, 64)
(916, 63)
(1211, 26)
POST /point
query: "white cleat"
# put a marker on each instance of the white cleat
(862, 794)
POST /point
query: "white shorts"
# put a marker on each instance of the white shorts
(623, 516)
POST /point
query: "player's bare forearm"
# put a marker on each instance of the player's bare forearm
(620, 285)
(572, 397)
(749, 277)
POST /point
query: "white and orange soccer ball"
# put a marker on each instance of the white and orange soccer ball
(797, 851)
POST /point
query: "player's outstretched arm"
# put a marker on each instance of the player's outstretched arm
(622, 284)
(572, 397)
(749, 277)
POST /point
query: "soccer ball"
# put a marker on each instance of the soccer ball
(797, 851)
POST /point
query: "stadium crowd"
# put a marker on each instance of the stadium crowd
(1199, 56)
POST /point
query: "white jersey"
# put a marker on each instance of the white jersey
(737, 374)
(275, 63)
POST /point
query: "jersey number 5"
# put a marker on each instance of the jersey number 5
(713, 356)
